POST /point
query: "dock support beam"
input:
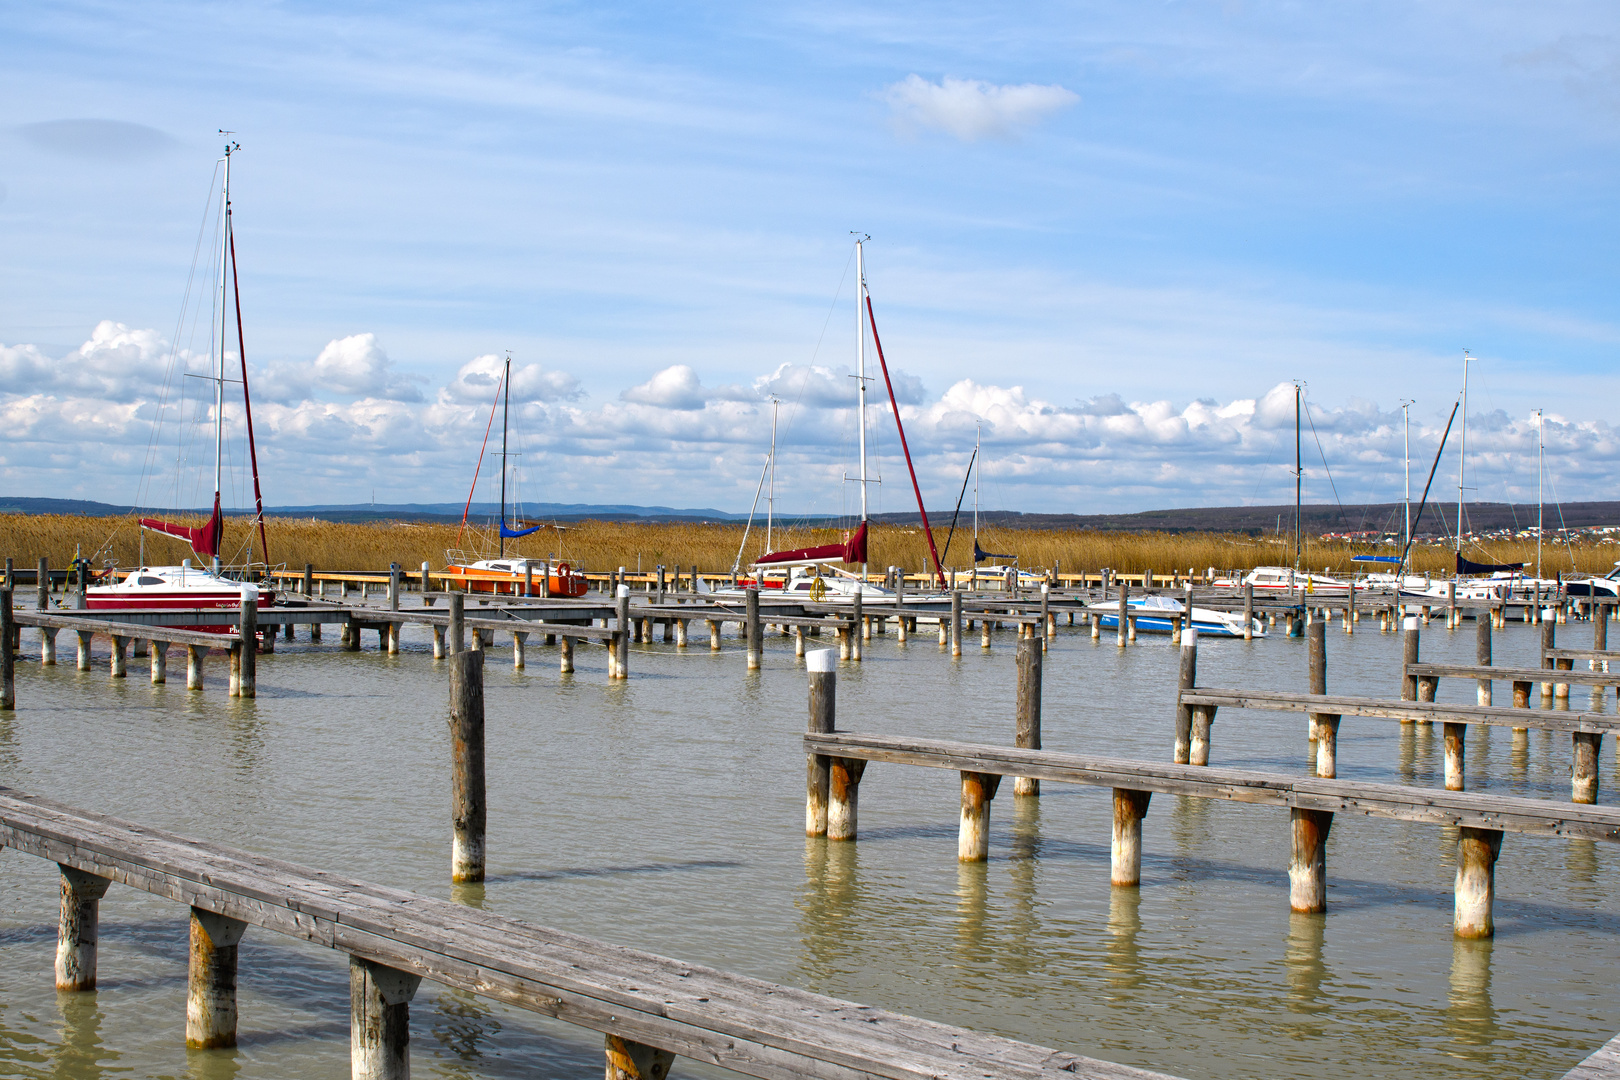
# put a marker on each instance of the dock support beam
(565, 650)
(628, 1060)
(47, 646)
(160, 662)
(1130, 807)
(77, 930)
(194, 666)
(468, 805)
(1029, 707)
(1477, 850)
(1587, 746)
(973, 838)
(211, 981)
(1203, 716)
(1324, 726)
(1307, 865)
(380, 1020)
(843, 796)
(1186, 680)
(823, 669)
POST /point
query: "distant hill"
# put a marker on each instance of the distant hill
(1316, 518)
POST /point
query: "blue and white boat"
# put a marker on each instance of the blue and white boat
(1153, 615)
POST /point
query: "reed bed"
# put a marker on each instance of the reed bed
(604, 545)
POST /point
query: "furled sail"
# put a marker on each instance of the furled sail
(204, 541)
(509, 532)
(979, 554)
(851, 551)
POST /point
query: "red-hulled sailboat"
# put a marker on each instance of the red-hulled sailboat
(186, 586)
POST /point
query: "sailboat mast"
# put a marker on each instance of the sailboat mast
(506, 408)
(860, 360)
(770, 498)
(219, 366)
(978, 433)
(1406, 442)
(1299, 473)
(1462, 458)
(1541, 472)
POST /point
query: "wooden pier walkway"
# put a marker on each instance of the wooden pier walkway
(650, 1008)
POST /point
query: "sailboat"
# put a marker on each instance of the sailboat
(505, 574)
(818, 571)
(187, 586)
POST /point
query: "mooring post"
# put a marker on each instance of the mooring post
(1130, 807)
(47, 646)
(528, 578)
(468, 806)
(379, 1020)
(84, 649)
(1549, 641)
(1452, 617)
(545, 579)
(822, 665)
(519, 640)
(211, 980)
(1477, 851)
(1046, 621)
(42, 584)
(427, 584)
(160, 662)
(194, 666)
(1410, 636)
(8, 652)
(1350, 609)
(309, 579)
(752, 631)
(1186, 680)
(247, 650)
(458, 623)
(1482, 656)
(621, 643)
(1028, 735)
(1203, 718)
(973, 837)
(956, 622)
(120, 644)
(77, 929)
(1307, 864)
(1324, 726)
(662, 583)
(1248, 611)
(393, 586)
(1587, 745)
(1124, 612)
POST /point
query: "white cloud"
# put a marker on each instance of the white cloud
(970, 109)
(80, 425)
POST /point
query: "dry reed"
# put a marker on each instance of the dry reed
(604, 545)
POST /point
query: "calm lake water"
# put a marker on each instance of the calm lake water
(666, 813)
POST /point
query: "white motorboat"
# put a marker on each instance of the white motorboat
(1156, 615)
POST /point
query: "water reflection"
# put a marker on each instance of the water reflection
(972, 899)
(468, 893)
(463, 1025)
(1124, 925)
(1471, 1016)
(80, 1054)
(829, 926)
(212, 1064)
(1024, 925)
(1306, 968)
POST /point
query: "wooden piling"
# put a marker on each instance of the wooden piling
(120, 647)
(1046, 620)
(393, 588)
(823, 671)
(1248, 611)
(77, 929)
(84, 649)
(714, 634)
(1477, 851)
(973, 837)
(565, 651)
(194, 667)
(309, 580)
(620, 668)
(1029, 708)
(8, 653)
(1549, 641)
(42, 585)
(458, 623)
(1410, 637)
(1307, 864)
(1124, 612)
(1187, 679)
(956, 622)
(211, 980)
(752, 630)
(1130, 807)
(519, 639)
(857, 626)
(627, 1060)
(379, 1020)
(47, 646)
(247, 651)
(1324, 725)
(468, 806)
(1203, 717)
(160, 663)
(1587, 745)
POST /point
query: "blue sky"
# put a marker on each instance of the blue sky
(1112, 232)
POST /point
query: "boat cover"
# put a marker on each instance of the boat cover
(979, 554)
(1466, 567)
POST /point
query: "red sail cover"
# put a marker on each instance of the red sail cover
(853, 551)
(204, 541)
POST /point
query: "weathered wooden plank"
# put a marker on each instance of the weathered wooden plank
(1392, 801)
(1495, 715)
(1602, 1064)
(748, 1025)
(225, 616)
(1502, 674)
